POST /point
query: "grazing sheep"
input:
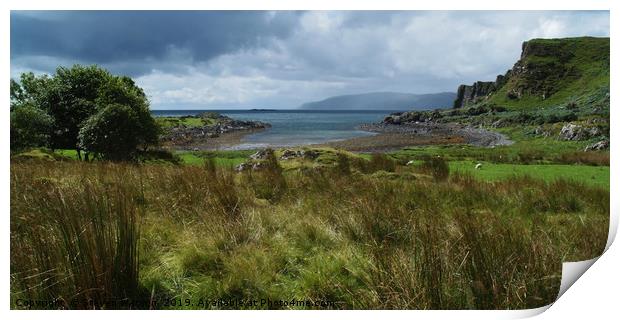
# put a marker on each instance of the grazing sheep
(479, 166)
(410, 162)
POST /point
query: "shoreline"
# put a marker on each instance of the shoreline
(222, 142)
(230, 133)
(425, 133)
(388, 137)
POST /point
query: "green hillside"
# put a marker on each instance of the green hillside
(557, 71)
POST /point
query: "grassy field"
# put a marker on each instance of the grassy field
(220, 158)
(170, 122)
(597, 176)
(340, 231)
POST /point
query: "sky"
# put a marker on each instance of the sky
(281, 59)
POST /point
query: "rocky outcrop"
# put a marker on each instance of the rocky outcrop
(412, 116)
(574, 132)
(468, 134)
(542, 66)
(288, 154)
(546, 67)
(220, 125)
(479, 91)
(601, 145)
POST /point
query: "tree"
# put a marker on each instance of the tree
(73, 95)
(30, 90)
(30, 127)
(71, 98)
(114, 133)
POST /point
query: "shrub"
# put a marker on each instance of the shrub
(30, 127)
(116, 132)
(159, 155)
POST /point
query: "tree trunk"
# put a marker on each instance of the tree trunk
(79, 154)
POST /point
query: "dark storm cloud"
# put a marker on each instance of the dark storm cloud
(115, 37)
(282, 59)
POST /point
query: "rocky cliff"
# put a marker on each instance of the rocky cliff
(549, 71)
(479, 91)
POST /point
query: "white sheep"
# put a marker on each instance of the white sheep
(478, 166)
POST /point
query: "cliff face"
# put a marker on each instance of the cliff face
(542, 67)
(548, 69)
(479, 91)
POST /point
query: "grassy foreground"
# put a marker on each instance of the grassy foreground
(361, 234)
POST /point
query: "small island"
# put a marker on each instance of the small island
(207, 130)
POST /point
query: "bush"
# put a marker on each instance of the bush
(159, 155)
(474, 111)
(115, 132)
(30, 127)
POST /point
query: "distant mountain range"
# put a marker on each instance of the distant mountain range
(385, 100)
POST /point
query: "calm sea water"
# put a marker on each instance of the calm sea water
(296, 127)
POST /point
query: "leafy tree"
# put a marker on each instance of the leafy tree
(123, 90)
(73, 95)
(114, 133)
(71, 98)
(30, 127)
(30, 90)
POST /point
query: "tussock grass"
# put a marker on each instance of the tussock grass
(365, 241)
(588, 158)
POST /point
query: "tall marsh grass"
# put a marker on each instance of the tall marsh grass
(121, 232)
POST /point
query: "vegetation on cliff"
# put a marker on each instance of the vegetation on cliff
(550, 72)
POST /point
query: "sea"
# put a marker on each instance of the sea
(295, 127)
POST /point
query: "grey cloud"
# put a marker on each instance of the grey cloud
(108, 37)
(282, 59)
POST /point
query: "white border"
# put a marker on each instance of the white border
(595, 294)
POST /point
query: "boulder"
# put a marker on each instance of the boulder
(601, 145)
(290, 154)
(573, 132)
(540, 131)
(242, 167)
(260, 154)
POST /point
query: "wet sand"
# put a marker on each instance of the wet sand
(384, 142)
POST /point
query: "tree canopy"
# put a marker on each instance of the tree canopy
(72, 96)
